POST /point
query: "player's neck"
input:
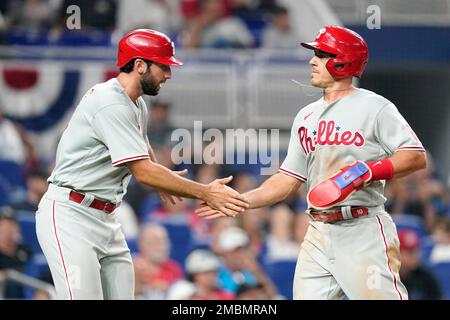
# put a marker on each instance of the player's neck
(337, 91)
(130, 85)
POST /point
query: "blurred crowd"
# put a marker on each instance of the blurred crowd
(191, 23)
(178, 255)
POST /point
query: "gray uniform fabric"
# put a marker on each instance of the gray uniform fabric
(85, 247)
(356, 257)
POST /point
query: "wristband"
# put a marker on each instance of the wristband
(381, 169)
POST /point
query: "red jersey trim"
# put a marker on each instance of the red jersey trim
(293, 174)
(120, 161)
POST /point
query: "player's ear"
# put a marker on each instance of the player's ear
(140, 66)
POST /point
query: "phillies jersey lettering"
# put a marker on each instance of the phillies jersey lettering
(362, 126)
(328, 134)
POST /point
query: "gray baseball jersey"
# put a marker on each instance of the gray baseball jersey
(85, 247)
(106, 130)
(356, 257)
(361, 126)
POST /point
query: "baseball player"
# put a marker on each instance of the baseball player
(344, 146)
(103, 145)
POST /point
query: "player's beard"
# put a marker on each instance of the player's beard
(150, 86)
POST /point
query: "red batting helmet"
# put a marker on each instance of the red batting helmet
(146, 44)
(349, 47)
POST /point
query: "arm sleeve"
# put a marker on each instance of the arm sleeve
(295, 162)
(118, 128)
(394, 133)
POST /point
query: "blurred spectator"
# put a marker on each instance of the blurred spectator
(159, 128)
(267, 4)
(13, 255)
(201, 268)
(36, 187)
(154, 270)
(29, 15)
(241, 266)
(419, 281)
(15, 145)
(207, 173)
(144, 199)
(141, 198)
(419, 194)
(253, 221)
(441, 250)
(252, 292)
(217, 227)
(280, 240)
(178, 213)
(280, 34)
(185, 229)
(244, 182)
(189, 8)
(241, 8)
(255, 224)
(211, 29)
(160, 15)
(181, 290)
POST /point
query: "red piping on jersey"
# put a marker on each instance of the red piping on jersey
(296, 175)
(60, 253)
(142, 156)
(387, 257)
(411, 148)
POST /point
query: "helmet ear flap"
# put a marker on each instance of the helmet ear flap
(339, 68)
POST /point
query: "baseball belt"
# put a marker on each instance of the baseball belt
(104, 206)
(343, 213)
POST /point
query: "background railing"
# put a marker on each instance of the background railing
(26, 281)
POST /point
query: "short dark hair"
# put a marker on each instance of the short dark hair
(160, 104)
(130, 65)
(279, 10)
(7, 213)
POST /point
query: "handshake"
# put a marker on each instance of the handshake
(220, 200)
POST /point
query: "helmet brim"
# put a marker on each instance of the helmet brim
(172, 61)
(319, 46)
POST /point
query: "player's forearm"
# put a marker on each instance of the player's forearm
(274, 190)
(160, 177)
(406, 162)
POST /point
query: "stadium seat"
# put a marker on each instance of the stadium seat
(282, 275)
(132, 245)
(36, 267)
(442, 273)
(27, 225)
(407, 221)
(426, 246)
(180, 237)
(12, 182)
